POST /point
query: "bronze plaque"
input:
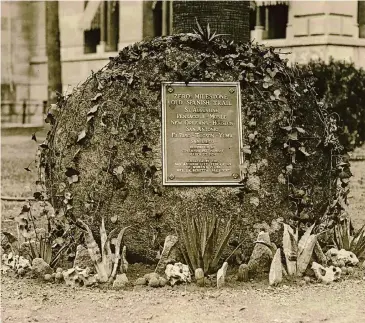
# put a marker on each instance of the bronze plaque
(201, 133)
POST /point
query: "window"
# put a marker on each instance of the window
(271, 17)
(361, 17)
(276, 21)
(101, 26)
(161, 18)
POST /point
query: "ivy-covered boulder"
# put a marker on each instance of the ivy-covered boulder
(103, 154)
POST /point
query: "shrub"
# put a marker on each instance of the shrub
(342, 87)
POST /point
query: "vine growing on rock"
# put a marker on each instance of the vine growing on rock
(102, 157)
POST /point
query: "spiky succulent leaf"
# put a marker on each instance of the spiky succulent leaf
(303, 240)
(306, 255)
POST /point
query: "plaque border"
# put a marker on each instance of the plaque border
(165, 180)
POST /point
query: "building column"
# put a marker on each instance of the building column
(101, 47)
(111, 27)
(267, 23)
(130, 22)
(257, 33)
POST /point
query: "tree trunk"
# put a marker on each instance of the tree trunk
(53, 51)
(224, 17)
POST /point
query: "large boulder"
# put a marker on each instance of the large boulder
(103, 154)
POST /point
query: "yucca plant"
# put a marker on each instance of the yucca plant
(344, 240)
(203, 240)
(42, 249)
(205, 34)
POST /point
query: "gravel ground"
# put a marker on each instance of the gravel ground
(28, 301)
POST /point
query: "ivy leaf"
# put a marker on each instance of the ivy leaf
(68, 196)
(100, 86)
(281, 179)
(114, 218)
(302, 150)
(61, 187)
(37, 196)
(246, 149)
(96, 97)
(289, 169)
(90, 117)
(114, 131)
(93, 110)
(73, 179)
(25, 208)
(118, 170)
(277, 93)
(300, 130)
(10, 237)
(81, 135)
(27, 169)
(293, 135)
(71, 171)
(44, 145)
(287, 128)
(34, 137)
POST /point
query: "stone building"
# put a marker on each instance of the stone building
(93, 31)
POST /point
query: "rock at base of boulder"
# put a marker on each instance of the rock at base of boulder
(326, 274)
(75, 277)
(178, 273)
(337, 257)
(40, 267)
(276, 270)
(221, 275)
(168, 254)
(120, 282)
(82, 258)
(199, 277)
(154, 282)
(261, 257)
(242, 275)
(163, 281)
(141, 281)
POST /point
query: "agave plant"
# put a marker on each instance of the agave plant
(344, 240)
(298, 252)
(203, 240)
(105, 262)
(205, 34)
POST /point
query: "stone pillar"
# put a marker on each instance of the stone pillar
(148, 19)
(101, 47)
(130, 22)
(289, 25)
(258, 33)
(361, 18)
(111, 27)
(267, 23)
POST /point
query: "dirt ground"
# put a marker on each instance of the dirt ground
(24, 300)
(29, 301)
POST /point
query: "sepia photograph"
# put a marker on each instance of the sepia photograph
(182, 161)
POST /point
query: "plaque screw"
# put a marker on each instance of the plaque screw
(235, 175)
(231, 90)
(170, 89)
(171, 176)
